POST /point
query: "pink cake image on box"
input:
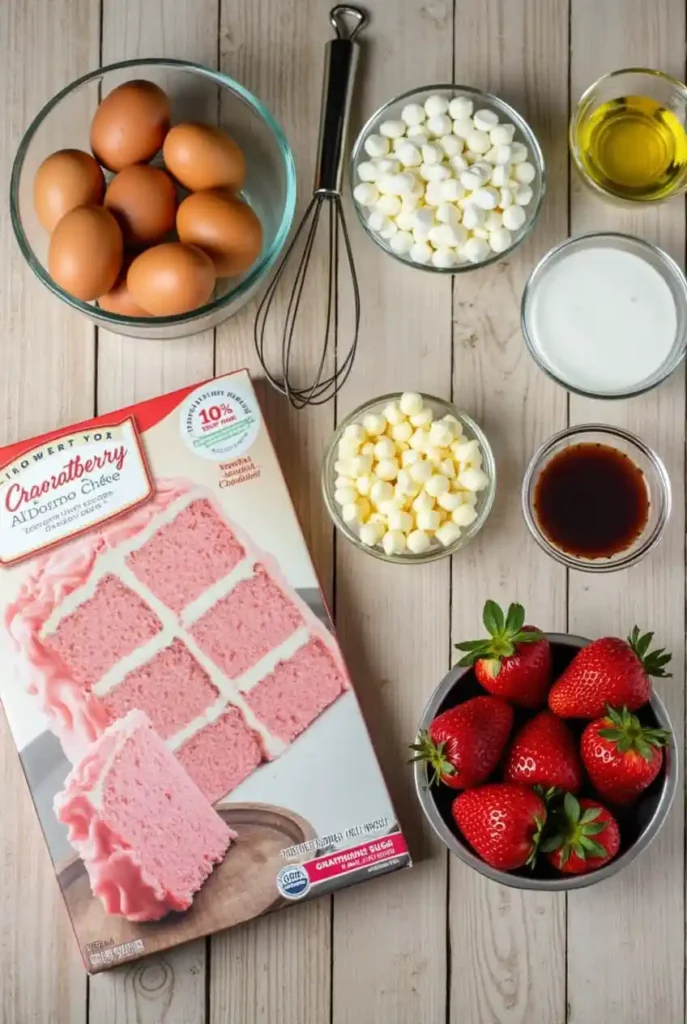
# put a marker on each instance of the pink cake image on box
(173, 611)
(148, 837)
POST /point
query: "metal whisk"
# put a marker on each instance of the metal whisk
(341, 59)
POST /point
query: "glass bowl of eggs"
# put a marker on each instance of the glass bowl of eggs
(409, 478)
(153, 196)
(447, 178)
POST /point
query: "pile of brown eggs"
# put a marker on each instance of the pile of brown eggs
(129, 242)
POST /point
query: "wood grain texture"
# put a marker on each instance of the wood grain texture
(626, 940)
(46, 353)
(389, 953)
(171, 987)
(278, 968)
(508, 947)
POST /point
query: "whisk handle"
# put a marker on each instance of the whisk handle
(340, 63)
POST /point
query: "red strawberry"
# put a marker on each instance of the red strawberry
(622, 756)
(464, 744)
(588, 837)
(502, 822)
(515, 662)
(608, 672)
(544, 754)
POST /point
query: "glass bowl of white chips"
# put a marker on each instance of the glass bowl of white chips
(447, 178)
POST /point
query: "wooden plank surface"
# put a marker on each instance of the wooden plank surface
(169, 988)
(439, 943)
(278, 969)
(508, 947)
(626, 938)
(46, 354)
(389, 939)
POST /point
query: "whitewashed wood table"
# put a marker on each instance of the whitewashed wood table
(437, 944)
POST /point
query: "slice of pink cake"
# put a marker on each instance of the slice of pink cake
(148, 837)
(102, 630)
(172, 689)
(221, 755)
(241, 628)
(298, 690)
(177, 581)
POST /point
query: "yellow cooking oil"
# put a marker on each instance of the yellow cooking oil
(634, 148)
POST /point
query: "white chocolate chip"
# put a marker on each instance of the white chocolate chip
(464, 515)
(417, 135)
(385, 448)
(374, 424)
(434, 172)
(424, 502)
(519, 153)
(363, 484)
(448, 533)
(514, 218)
(387, 469)
(502, 134)
(449, 501)
(381, 491)
(410, 403)
(376, 145)
(473, 216)
(478, 141)
(448, 213)
(401, 521)
(420, 471)
(366, 193)
(499, 176)
(371, 533)
(436, 104)
(500, 239)
(451, 145)
(486, 198)
(465, 452)
(367, 170)
(361, 464)
(393, 414)
(389, 205)
(436, 485)
(402, 242)
(421, 253)
(394, 542)
(342, 482)
(462, 127)
(392, 129)
(422, 418)
(438, 125)
(434, 195)
(485, 120)
(451, 191)
(440, 435)
(429, 521)
(476, 250)
(444, 258)
(418, 542)
(409, 154)
(461, 108)
(408, 458)
(523, 195)
(345, 496)
(413, 114)
(458, 163)
(493, 220)
(473, 479)
(432, 153)
(352, 513)
(525, 173)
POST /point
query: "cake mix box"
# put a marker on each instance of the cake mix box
(183, 715)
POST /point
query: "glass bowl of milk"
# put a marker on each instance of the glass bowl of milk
(605, 315)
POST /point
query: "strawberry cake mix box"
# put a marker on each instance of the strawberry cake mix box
(183, 715)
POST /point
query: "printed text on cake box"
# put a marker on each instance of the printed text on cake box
(332, 865)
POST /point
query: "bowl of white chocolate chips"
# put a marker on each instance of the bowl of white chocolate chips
(409, 478)
(447, 178)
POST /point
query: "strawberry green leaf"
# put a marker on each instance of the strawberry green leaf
(552, 843)
(594, 828)
(591, 814)
(572, 808)
(653, 662)
(515, 618)
(592, 847)
(493, 618)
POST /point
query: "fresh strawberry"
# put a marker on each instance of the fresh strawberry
(544, 754)
(588, 837)
(515, 662)
(622, 756)
(503, 823)
(464, 744)
(608, 672)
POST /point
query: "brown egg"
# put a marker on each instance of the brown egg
(119, 299)
(130, 124)
(171, 279)
(144, 201)
(65, 180)
(200, 157)
(223, 227)
(85, 253)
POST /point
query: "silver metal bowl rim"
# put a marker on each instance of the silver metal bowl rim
(256, 273)
(525, 130)
(434, 554)
(602, 565)
(549, 257)
(565, 882)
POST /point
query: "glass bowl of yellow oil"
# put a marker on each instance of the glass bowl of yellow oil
(628, 136)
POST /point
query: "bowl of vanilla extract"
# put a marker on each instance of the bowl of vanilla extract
(596, 498)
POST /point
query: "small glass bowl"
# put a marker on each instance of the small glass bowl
(485, 498)
(482, 100)
(655, 476)
(669, 92)
(656, 258)
(197, 94)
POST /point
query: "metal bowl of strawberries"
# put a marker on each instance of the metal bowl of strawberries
(544, 760)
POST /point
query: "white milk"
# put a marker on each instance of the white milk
(602, 320)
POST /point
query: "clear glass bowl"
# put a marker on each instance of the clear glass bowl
(669, 92)
(655, 476)
(656, 258)
(197, 94)
(482, 100)
(485, 498)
